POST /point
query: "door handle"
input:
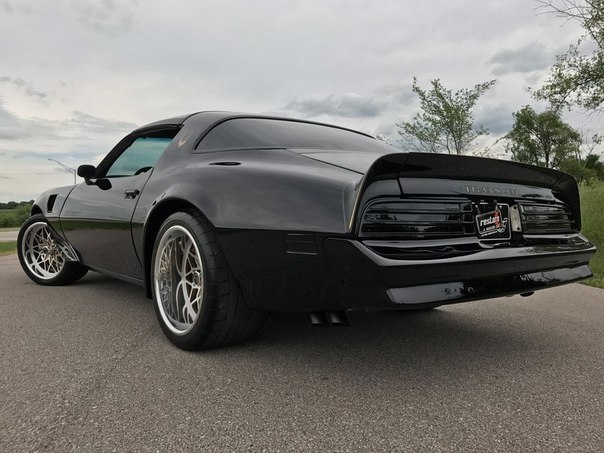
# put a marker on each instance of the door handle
(131, 194)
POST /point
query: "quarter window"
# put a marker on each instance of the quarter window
(140, 156)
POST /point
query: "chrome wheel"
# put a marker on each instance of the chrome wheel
(41, 252)
(178, 279)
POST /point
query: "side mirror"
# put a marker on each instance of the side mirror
(87, 172)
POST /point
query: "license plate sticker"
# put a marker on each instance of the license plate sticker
(494, 224)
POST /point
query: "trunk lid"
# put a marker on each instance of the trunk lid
(475, 178)
(429, 175)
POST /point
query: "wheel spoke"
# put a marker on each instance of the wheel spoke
(43, 255)
(178, 279)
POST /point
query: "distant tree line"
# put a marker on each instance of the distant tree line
(16, 204)
(445, 122)
(13, 213)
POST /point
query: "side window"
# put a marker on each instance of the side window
(140, 156)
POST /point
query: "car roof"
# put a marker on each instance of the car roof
(214, 114)
(168, 121)
(207, 119)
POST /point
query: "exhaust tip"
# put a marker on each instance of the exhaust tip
(337, 318)
(527, 294)
(327, 318)
(318, 318)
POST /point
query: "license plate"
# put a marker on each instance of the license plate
(494, 224)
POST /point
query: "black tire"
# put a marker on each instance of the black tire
(69, 272)
(223, 317)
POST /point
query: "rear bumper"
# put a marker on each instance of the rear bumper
(363, 279)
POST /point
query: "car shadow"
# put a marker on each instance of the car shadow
(445, 343)
(442, 344)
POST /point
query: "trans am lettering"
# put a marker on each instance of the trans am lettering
(490, 190)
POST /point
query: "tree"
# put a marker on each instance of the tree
(577, 78)
(446, 122)
(585, 164)
(542, 138)
(594, 163)
(383, 139)
(579, 171)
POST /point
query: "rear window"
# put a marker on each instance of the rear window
(245, 133)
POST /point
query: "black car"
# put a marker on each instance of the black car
(223, 217)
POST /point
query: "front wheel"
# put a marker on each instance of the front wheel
(42, 257)
(197, 300)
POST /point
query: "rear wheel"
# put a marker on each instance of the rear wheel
(197, 300)
(42, 257)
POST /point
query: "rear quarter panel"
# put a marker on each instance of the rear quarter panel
(260, 189)
(253, 206)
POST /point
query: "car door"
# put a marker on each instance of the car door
(96, 218)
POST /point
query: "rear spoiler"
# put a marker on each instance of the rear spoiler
(453, 167)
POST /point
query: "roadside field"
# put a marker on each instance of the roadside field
(592, 202)
(13, 218)
(7, 248)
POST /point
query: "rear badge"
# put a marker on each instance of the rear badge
(494, 224)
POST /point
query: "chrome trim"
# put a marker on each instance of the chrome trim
(496, 254)
(515, 222)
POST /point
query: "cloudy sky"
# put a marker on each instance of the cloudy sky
(77, 75)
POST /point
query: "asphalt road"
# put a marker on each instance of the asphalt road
(8, 235)
(86, 368)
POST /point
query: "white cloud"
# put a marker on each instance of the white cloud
(352, 105)
(25, 85)
(108, 17)
(529, 58)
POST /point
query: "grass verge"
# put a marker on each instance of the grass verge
(14, 217)
(592, 202)
(8, 248)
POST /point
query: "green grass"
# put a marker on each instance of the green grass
(13, 217)
(8, 248)
(7, 212)
(592, 204)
